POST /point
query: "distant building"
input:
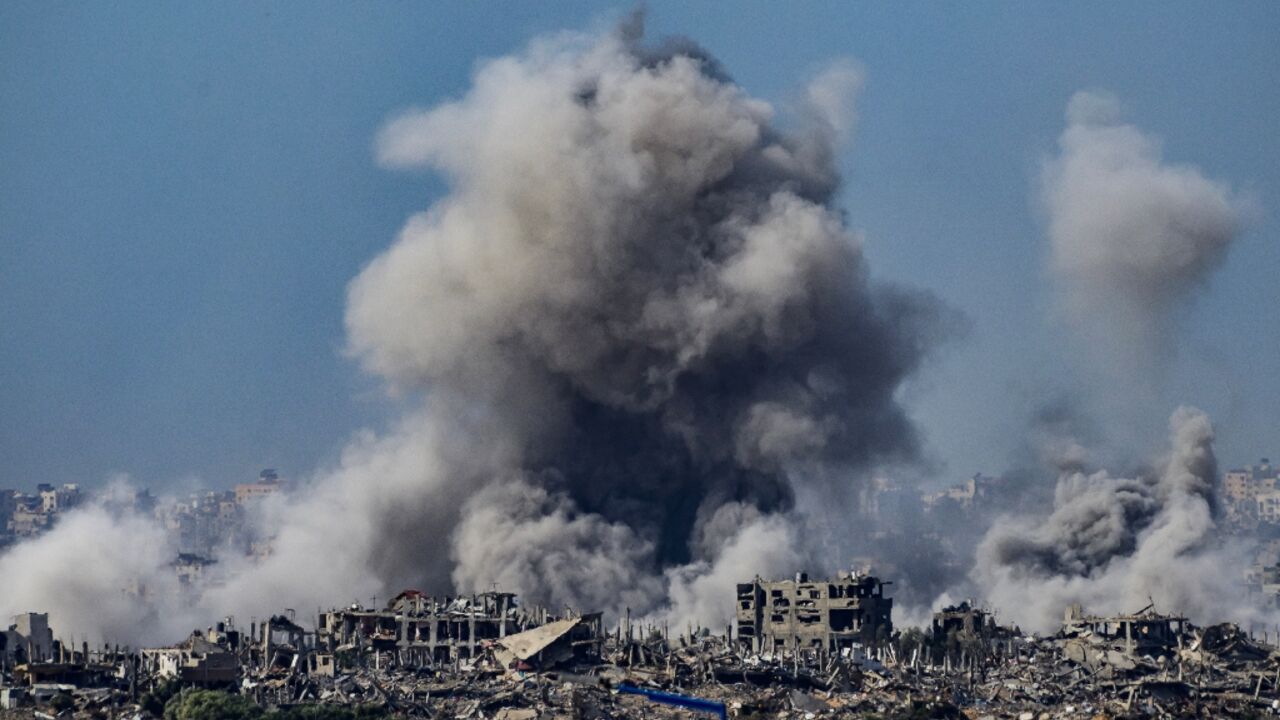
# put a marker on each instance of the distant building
(1266, 506)
(190, 568)
(29, 518)
(24, 515)
(7, 504)
(1242, 484)
(967, 494)
(788, 615)
(269, 483)
(1250, 494)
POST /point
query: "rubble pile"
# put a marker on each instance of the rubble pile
(485, 657)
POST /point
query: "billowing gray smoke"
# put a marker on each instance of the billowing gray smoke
(1132, 238)
(1115, 543)
(639, 287)
(636, 321)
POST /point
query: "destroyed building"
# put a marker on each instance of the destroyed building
(576, 638)
(421, 630)
(28, 639)
(196, 661)
(1140, 665)
(1120, 643)
(1145, 632)
(965, 621)
(775, 616)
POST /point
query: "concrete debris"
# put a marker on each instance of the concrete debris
(552, 644)
(486, 657)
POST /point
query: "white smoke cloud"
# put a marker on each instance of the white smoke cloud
(96, 574)
(1132, 237)
(701, 593)
(1132, 240)
(517, 535)
(627, 234)
(1114, 544)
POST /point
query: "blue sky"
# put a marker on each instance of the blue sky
(186, 189)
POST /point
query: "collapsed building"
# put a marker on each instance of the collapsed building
(967, 622)
(190, 568)
(550, 645)
(833, 653)
(419, 630)
(1121, 643)
(195, 661)
(1145, 632)
(830, 615)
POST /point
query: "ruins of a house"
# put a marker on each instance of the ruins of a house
(966, 621)
(1145, 632)
(829, 615)
(195, 661)
(279, 643)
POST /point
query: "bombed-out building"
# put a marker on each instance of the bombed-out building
(28, 639)
(966, 621)
(1145, 632)
(418, 629)
(849, 610)
(197, 661)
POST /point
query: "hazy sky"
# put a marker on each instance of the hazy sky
(186, 189)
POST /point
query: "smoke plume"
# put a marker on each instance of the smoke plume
(99, 574)
(1114, 544)
(637, 324)
(1132, 237)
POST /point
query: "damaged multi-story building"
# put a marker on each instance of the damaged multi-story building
(850, 609)
(420, 630)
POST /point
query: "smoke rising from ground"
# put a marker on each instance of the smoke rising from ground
(1114, 544)
(637, 324)
(1132, 237)
(89, 571)
(639, 284)
(651, 364)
